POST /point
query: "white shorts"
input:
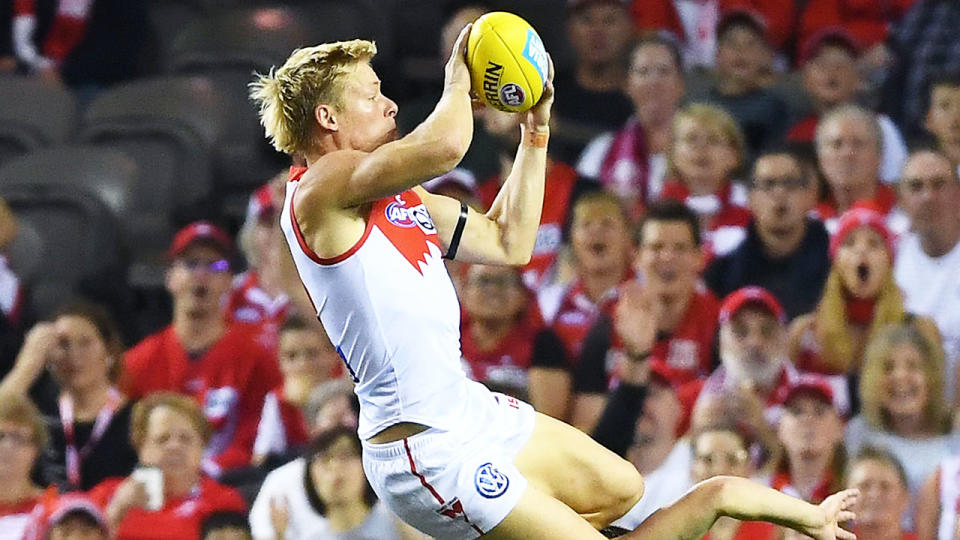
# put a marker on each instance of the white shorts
(456, 484)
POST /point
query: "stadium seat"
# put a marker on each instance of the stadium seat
(33, 114)
(67, 236)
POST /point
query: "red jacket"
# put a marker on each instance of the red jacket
(662, 15)
(229, 382)
(868, 21)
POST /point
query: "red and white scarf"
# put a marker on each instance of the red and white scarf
(68, 28)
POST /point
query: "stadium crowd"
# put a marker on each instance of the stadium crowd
(748, 264)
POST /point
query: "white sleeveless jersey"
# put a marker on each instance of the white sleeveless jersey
(390, 309)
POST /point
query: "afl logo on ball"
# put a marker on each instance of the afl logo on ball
(511, 94)
(490, 482)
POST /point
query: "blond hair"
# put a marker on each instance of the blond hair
(178, 403)
(18, 409)
(288, 95)
(715, 117)
(879, 348)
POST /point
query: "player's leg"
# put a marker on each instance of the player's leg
(565, 464)
(540, 517)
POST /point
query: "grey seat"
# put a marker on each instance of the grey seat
(72, 237)
(33, 114)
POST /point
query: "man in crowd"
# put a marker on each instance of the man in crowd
(943, 115)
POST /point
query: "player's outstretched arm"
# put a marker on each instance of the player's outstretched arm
(692, 516)
(507, 232)
(353, 177)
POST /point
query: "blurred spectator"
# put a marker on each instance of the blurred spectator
(601, 245)
(923, 43)
(928, 257)
(228, 367)
(723, 450)
(324, 496)
(332, 404)
(694, 23)
(664, 314)
(13, 298)
(938, 502)
(784, 250)
(226, 526)
(87, 44)
(90, 427)
(755, 373)
(903, 410)
(859, 299)
(744, 67)
(169, 432)
(943, 115)
(23, 437)
(830, 79)
(811, 432)
(307, 359)
(707, 150)
(849, 144)
(883, 495)
(561, 189)
(590, 98)
(867, 21)
(75, 517)
(643, 421)
(257, 295)
(632, 163)
(501, 330)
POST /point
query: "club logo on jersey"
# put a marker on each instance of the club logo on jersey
(401, 216)
(490, 482)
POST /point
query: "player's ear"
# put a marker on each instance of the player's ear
(325, 116)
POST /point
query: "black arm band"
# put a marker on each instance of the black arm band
(457, 233)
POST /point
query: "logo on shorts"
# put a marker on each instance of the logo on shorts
(490, 482)
(511, 94)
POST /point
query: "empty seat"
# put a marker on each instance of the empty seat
(33, 113)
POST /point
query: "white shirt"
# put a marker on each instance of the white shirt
(663, 486)
(699, 20)
(287, 482)
(931, 287)
(894, 150)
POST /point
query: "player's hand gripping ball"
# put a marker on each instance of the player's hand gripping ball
(508, 64)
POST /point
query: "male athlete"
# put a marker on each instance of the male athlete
(447, 455)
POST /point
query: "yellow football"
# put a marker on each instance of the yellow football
(507, 61)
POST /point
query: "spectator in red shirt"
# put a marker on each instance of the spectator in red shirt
(883, 495)
(708, 148)
(307, 359)
(169, 432)
(501, 331)
(849, 143)
(632, 162)
(830, 79)
(23, 436)
(228, 367)
(664, 314)
(943, 115)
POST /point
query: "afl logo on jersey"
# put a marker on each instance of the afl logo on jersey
(490, 482)
(401, 216)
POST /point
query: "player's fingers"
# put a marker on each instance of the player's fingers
(843, 534)
(460, 46)
(850, 497)
(846, 515)
(549, 69)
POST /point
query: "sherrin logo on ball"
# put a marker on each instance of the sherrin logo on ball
(508, 63)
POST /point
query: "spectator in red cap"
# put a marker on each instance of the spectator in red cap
(694, 23)
(830, 78)
(601, 246)
(784, 250)
(744, 70)
(849, 143)
(903, 412)
(884, 497)
(632, 163)
(74, 517)
(867, 21)
(860, 298)
(644, 421)
(663, 314)
(228, 367)
(169, 432)
(811, 432)
(258, 295)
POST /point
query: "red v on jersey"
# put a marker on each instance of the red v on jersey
(404, 221)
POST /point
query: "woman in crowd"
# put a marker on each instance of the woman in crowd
(172, 498)
(707, 150)
(89, 429)
(859, 299)
(23, 436)
(324, 496)
(903, 409)
(811, 433)
(883, 495)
